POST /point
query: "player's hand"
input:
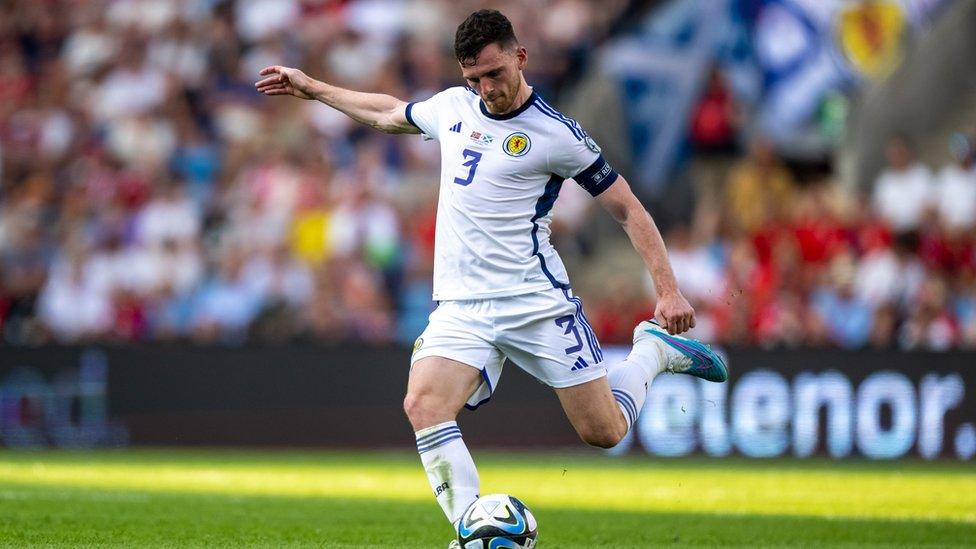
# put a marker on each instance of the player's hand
(285, 81)
(674, 313)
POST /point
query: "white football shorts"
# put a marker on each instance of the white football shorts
(545, 333)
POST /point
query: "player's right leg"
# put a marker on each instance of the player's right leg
(454, 364)
(437, 389)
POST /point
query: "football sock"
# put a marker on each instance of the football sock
(449, 467)
(631, 378)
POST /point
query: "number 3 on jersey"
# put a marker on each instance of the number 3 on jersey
(570, 322)
(472, 164)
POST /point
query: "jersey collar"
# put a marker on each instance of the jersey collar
(509, 115)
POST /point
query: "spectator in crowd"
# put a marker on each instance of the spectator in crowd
(759, 188)
(889, 274)
(903, 193)
(695, 266)
(226, 304)
(169, 215)
(25, 260)
(964, 307)
(715, 118)
(955, 188)
(73, 304)
(848, 318)
(280, 277)
(930, 323)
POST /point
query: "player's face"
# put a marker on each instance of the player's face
(496, 75)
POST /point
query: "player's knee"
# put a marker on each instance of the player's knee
(606, 436)
(423, 410)
(413, 406)
(602, 440)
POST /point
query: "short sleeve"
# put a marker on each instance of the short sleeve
(424, 115)
(575, 155)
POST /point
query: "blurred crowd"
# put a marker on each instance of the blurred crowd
(147, 192)
(779, 261)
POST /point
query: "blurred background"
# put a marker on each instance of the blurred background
(176, 249)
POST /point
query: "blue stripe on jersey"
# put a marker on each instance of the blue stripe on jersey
(542, 208)
(555, 115)
(588, 333)
(572, 124)
(598, 177)
(409, 117)
(589, 329)
(491, 390)
(590, 338)
(564, 117)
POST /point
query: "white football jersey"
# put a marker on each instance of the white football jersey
(500, 176)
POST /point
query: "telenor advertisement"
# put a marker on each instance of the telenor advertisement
(879, 405)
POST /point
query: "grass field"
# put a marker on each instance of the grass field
(288, 498)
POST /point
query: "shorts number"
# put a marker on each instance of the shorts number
(570, 322)
(474, 157)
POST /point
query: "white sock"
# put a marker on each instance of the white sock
(449, 467)
(631, 378)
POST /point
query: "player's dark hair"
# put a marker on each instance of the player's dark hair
(480, 29)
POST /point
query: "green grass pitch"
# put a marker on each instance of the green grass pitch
(371, 499)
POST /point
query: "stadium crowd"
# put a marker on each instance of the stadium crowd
(811, 263)
(148, 193)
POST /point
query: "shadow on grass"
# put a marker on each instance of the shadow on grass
(34, 515)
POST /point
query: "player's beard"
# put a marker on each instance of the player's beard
(511, 95)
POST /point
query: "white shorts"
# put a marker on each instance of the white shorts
(544, 333)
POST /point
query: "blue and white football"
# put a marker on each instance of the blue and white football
(497, 521)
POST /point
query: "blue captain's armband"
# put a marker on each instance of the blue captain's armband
(598, 177)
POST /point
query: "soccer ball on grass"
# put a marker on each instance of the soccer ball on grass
(497, 521)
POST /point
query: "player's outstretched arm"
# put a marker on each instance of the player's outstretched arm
(673, 310)
(383, 112)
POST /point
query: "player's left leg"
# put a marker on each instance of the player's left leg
(590, 406)
(547, 335)
(595, 414)
(601, 403)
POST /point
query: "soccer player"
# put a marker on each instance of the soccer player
(501, 288)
